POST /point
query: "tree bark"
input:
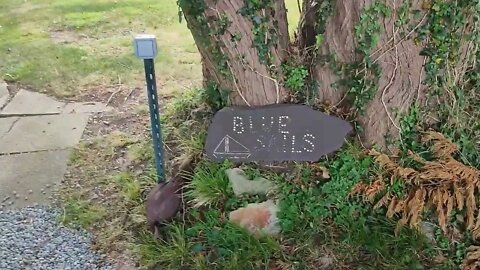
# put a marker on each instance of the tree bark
(391, 68)
(229, 57)
(399, 85)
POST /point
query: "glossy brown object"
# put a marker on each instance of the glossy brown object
(164, 200)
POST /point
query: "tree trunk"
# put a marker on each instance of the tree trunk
(240, 52)
(364, 56)
(397, 55)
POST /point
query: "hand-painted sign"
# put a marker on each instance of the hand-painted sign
(274, 133)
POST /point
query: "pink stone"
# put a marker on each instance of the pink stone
(257, 218)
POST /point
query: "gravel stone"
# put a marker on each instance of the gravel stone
(32, 238)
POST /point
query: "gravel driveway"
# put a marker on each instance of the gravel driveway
(32, 238)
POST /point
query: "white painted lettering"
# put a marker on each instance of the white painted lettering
(282, 124)
(284, 146)
(238, 125)
(261, 145)
(293, 146)
(308, 138)
(252, 131)
(267, 127)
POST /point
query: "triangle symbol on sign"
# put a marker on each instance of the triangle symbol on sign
(230, 147)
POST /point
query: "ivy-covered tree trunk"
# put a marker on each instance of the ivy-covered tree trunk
(242, 44)
(369, 59)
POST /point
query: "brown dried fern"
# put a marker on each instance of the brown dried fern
(445, 183)
(472, 259)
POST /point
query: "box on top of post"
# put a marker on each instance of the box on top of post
(145, 46)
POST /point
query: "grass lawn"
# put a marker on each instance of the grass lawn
(72, 48)
(69, 47)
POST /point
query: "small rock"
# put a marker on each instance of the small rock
(30, 191)
(26, 198)
(14, 192)
(106, 123)
(323, 172)
(257, 218)
(6, 199)
(10, 202)
(17, 196)
(241, 184)
(47, 186)
(428, 229)
(325, 263)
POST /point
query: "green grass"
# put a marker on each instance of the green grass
(210, 242)
(185, 113)
(82, 213)
(98, 45)
(315, 215)
(210, 185)
(129, 186)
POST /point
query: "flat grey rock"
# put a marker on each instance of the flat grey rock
(242, 185)
(28, 103)
(85, 107)
(278, 132)
(48, 132)
(35, 172)
(4, 95)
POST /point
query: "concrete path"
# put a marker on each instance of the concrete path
(36, 135)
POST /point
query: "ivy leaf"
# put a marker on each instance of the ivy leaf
(319, 40)
(198, 247)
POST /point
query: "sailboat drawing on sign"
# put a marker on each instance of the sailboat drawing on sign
(231, 148)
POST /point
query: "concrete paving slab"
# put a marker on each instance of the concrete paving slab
(48, 132)
(85, 107)
(6, 124)
(28, 103)
(4, 95)
(35, 172)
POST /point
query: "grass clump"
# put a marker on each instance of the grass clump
(209, 242)
(82, 213)
(210, 184)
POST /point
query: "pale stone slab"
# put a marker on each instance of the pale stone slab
(258, 218)
(85, 107)
(6, 124)
(27, 103)
(241, 184)
(48, 132)
(35, 172)
(4, 95)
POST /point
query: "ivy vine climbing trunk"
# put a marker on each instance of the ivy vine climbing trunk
(242, 44)
(370, 59)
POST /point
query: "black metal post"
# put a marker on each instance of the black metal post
(154, 118)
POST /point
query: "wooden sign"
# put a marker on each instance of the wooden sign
(278, 132)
